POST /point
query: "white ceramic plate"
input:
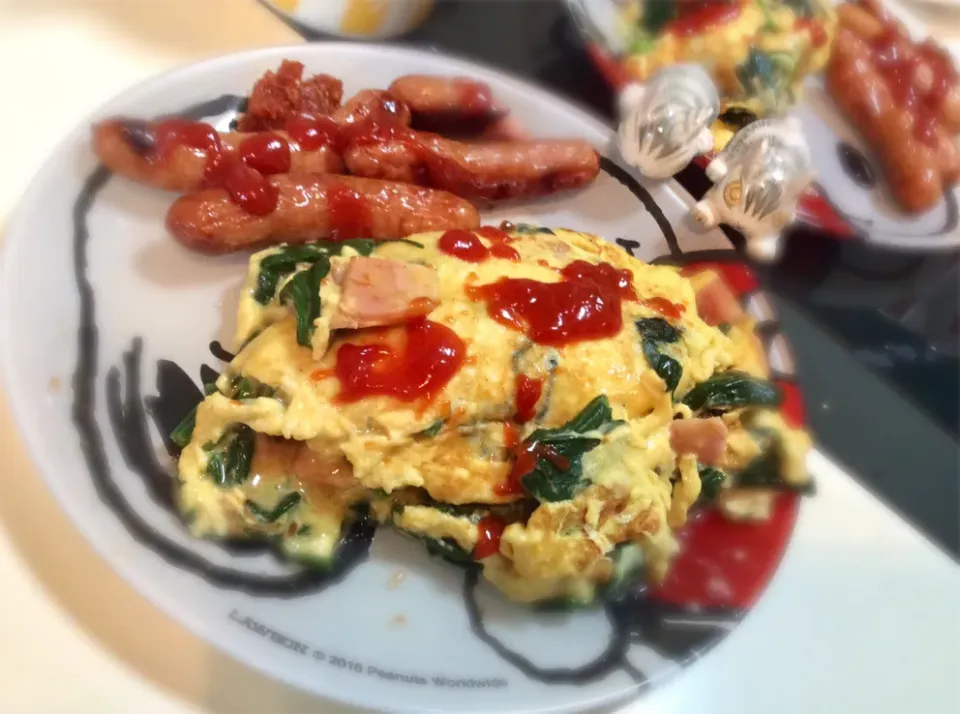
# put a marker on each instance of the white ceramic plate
(848, 176)
(97, 298)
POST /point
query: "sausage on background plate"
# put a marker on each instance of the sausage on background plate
(911, 167)
(313, 207)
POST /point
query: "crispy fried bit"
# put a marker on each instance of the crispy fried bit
(278, 96)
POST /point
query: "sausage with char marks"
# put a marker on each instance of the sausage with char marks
(485, 172)
(449, 105)
(128, 147)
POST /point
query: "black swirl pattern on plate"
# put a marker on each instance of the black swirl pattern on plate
(128, 418)
(856, 165)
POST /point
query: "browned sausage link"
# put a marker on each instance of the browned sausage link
(910, 166)
(375, 105)
(480, 172)
(948, 156)
(126, 147)
(457, 105)
(312, 207)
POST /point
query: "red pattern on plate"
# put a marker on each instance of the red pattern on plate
(736, 275)
(727, 564)
(723, 563)
(792, 407)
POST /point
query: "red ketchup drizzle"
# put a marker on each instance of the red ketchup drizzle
(266, 152)
(463, 245)
(237, 174)
(374, 132)
(173, 133)
(504, 251)
(312, 133)
(467, 246)
(489, 530)
(893, 59)
(511, 436)
(248, 188)
(818, 36)
(527, 455)
(426, 357)
(585, 305)
(350, 215)
(670, 310)
(528, 394)
(492, 234)
(695, 16)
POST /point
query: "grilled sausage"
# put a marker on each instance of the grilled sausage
(312, 207)
(448, 105)
(910, 166)
(479, 172)
(374, 105)
(129, 147)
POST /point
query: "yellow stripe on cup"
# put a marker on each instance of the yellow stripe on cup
(363, 17)
(421, 11)
(287, 5)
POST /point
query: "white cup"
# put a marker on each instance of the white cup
(368, 19)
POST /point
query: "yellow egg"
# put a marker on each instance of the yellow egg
(283, 448)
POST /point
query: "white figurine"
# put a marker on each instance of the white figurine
(758, 179)
(666, 122)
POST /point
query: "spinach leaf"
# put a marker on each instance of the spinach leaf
(558, 471)
(641, 44)
(666, 367)
(657, 329)
(766, 75)
(448, 550)
(242, 387)
(280, 264)
(528, 229)
(711, 480)
(229, 461)
(654, 331)
(596, 416)
(628, 562)
(432, 430)
(730, 390)
(766, 471)
(656, 15)
(756, 72)
(271, 515)
(802, 8)
(302, 293)
(183, 432)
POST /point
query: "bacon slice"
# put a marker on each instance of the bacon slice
(705, 438)
(378, 292)
(716, 302)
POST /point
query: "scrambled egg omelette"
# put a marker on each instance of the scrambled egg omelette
(757, 51)
(534, 402)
